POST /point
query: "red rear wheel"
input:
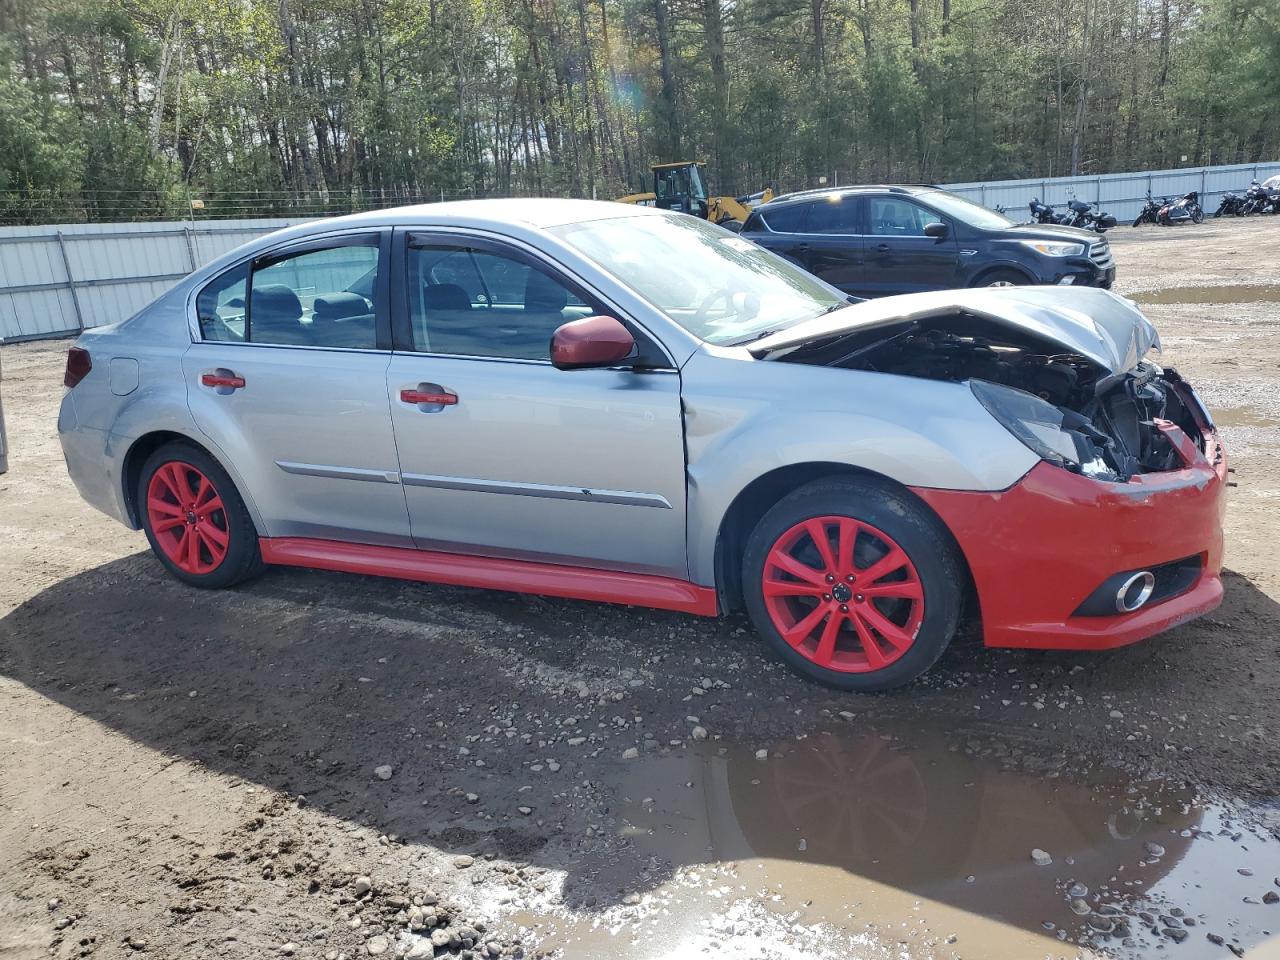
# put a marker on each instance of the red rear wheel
(195, 518)
(843, 594)
(188, 517)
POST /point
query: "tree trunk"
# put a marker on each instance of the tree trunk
(669, 137)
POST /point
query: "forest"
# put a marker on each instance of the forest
(143, 109)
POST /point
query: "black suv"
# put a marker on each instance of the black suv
(875, 241)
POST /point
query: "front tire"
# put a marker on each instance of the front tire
(853, 583)
(1001, 278)
(195, 520)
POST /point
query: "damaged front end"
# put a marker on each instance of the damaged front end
(1101, 409)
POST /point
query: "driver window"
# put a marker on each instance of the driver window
(473, 303)
(892, 217)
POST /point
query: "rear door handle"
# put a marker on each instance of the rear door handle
(421, 395)
(222, 378)
(883, 247)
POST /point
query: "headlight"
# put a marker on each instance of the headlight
(1052, 249)
(1059, 436)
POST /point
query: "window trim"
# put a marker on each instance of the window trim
(649, 345)
(378, 236)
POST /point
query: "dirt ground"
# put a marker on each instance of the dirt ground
(189, 774)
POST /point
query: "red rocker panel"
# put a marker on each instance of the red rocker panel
(518, 576)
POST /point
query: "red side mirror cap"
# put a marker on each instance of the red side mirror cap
(591, 342)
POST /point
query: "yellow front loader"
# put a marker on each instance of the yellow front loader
(680, 186)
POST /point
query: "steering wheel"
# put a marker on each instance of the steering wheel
(714, 297)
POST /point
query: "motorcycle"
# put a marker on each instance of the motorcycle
(1186, 209)
(1231, 205)
(1084, 216)
(1256, 199)
(1043, 213)
(1150, 212)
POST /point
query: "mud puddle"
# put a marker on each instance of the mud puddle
(1229, 293)
(1243, 417)
(858, 846)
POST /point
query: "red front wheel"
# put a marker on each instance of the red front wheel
(853, 583)
(194, 518)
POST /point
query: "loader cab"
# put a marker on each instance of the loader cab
(679, 186)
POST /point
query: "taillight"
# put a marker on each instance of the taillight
(78, 366)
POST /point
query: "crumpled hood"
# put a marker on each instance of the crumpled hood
(1094, 323)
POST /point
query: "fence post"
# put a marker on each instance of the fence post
(71, 280)
(191, 250)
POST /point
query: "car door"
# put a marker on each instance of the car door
(288, 380)
(503, 455)
(899, 257)
(832, 244)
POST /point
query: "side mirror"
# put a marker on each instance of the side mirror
(938, 230)
(591, 342)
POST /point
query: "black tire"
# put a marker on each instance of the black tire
(1001, 278)
(242, 559)
(1140, 221)
(1197, 215)
(918, 533)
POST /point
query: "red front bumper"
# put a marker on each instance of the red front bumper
(1038, 549)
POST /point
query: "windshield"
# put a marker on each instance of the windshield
(971, 213)
(715, 284)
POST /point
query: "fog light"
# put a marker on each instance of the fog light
(1066, 281)
(1135, 591)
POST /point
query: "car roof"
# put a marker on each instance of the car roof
(906, 188)
(536, 212)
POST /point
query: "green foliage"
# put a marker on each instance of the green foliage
(112, 109)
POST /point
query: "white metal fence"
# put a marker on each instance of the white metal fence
(1121, 194)
(57, 280)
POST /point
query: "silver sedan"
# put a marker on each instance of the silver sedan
(614, 403)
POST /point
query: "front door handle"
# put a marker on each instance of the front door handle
(428, 394)
(883, 247)
(222, 380)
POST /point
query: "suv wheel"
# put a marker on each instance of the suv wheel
(1001, 278)
(194, 519)
(853, 584)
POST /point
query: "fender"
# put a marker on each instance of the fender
(920, 433)
(160, 405)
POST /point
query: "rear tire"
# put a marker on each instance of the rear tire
(873, 608)
(195, 520)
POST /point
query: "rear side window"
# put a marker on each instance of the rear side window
(788, 218)
(221, 306)
(833, 214)
(317, 297)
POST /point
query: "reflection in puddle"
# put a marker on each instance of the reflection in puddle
(859, 847)
(1231, 293)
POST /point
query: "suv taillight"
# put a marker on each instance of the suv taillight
(79, 364)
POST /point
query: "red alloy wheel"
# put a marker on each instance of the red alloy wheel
(843, 594)
(187, 517)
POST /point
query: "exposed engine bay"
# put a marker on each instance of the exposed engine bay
(1111, 417)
